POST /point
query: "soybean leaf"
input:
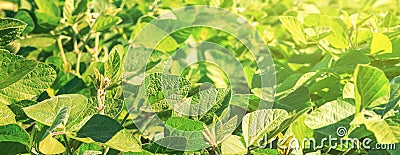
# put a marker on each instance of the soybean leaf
(17, 109)
(371, 87)
(380, 44)
(59, 121)
(293, 25)
(317, 33)
(25, 17)
(48, 14)
(100, 128)
(10, 29)
(113, 67)
(301, 131)
(7, 116)
(385, 130)
(50, 145)
(167, 44)
(292, 117)
(13, 133)
(220, 130)
(74, 7)
(349, 60)
(394, 98)
(105, 22)
(104, 130)
(46, 111)
(329, 113)
(390, 20)
(48, 6)
(338, 37)
(161, 87)
(46, 21)
(37, 80)
(37, 42)
(13, 68)
(258, 123)
(233, 145)
(124, 141)
(296, 100)
(113, 107)
(13, 139)
(192, 130)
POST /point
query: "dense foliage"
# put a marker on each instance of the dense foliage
(61, 66)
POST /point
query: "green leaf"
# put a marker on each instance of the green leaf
(124, 141)
(25, 17)
(48, 6)
(258, 123)
(100, 128)
(380, 44)
(371, 87)
(394, 98)
(7, 116)
(17, 109)
(105, 22)
(46, 21)
(113, 108)
(69, 6)
(46, 111)
(386, 130)
(390, 20)
(293, 25)
(338, 37)
(13, 133)
(50, 145)
(161, 87)
(13, 148)
(112, 67)
(350, 60)
(301, 130)
(39, 78)
(233, 145)
(293, 116)
(220, 130)
(14, 68)
(48, 14)
(317, 33)
(10, 29)
(296, 100)
(190, 129)
(59, 121)
(74, 7)
(13, 139)
(184, 124)
(167, 44)
(37, 42)
(329, 113)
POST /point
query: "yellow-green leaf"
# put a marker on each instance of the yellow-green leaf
(380, 44)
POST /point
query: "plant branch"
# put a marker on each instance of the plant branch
(67, 144)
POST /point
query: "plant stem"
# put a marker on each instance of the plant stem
(125, 118)
(78, 64)
(67, 144)
(79, 53)
(101, 99)
(60, 47)
(96, 46)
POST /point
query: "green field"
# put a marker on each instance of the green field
(199, 77)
